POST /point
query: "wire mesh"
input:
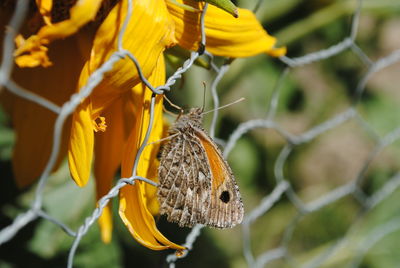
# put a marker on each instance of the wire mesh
(283, 187)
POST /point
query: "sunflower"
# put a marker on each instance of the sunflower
(65, 42)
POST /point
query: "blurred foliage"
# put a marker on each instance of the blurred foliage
(309, 95)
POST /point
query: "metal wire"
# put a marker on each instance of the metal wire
(283, 186)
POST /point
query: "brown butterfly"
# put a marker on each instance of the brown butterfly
(196, 184)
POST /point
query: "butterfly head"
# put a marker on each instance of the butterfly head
(196, 112)
(195, 116)
(189, 120)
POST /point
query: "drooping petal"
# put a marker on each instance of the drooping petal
(32, 52)
(108, 152)
(147, 16)
(149, 31)
(81, 142)
(225, 35)
(33, 124)
(150, 13)
(44, 7)
(152, 203)
(106, 224)
(133, 199)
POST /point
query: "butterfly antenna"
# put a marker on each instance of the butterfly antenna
(204, 95)
(224, 106)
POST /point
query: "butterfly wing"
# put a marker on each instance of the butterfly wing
(226, 208)
(185, 182)
(196, 184)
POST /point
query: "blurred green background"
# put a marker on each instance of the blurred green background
(309, 95)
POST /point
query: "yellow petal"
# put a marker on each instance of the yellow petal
(106, 224)
(34, 128)
(80, 150)
(108, 151)
(148, 15)
(80, 14)
(149, 31)
(151, 192)
(133, 199)
(45, 7)
(226, 36)
(37, 56)
(34, 124)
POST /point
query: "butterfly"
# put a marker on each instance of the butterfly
(196, 184)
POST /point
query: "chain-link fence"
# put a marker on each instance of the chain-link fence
(285, 189)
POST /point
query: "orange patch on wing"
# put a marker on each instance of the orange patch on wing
(215, 160)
